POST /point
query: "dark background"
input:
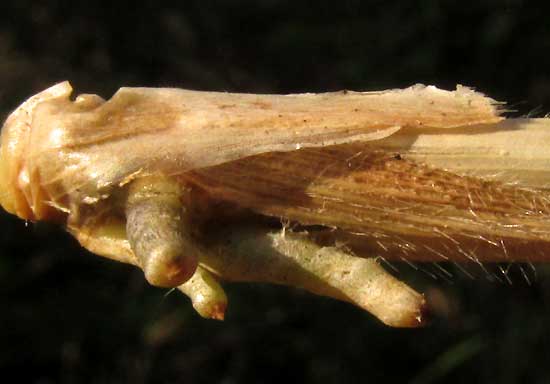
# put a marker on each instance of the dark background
(70, 317)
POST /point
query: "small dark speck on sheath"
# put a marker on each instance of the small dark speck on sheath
(225, 106)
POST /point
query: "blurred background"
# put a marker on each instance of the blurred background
(67, 316)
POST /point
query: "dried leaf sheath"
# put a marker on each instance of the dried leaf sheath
(62, 153)
(388, 205)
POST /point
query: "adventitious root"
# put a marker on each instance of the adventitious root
(287, 258)
(206, 294)
(190, 186)
(158, 231)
